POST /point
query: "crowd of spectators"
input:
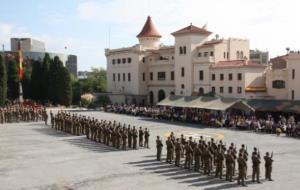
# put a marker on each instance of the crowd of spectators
(230, 119)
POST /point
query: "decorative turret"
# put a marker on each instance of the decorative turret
(149, 36)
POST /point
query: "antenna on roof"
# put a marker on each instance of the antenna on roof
(109, 37)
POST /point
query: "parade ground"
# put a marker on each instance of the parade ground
(35, 156)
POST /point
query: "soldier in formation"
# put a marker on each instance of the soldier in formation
(16, 113)
(209, 157)
(109, 133)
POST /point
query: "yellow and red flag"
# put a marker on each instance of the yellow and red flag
(20, 61)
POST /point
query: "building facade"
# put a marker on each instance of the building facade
(261, 57)
(282, 77)
(195, 65)
(33, 50)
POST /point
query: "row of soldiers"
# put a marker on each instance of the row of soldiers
(22, 113)
(103, 131)
(214, 156)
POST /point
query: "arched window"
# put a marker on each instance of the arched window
(151, 97)
(242, 55)
(184, 50)
(161, 95)
(180, 50)
(172, 93)
(237, 55)
(201, 91)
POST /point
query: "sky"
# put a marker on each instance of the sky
(87, 27)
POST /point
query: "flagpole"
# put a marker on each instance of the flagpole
(21, 100)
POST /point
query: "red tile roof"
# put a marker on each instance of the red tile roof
(192, 29)
(279, 59)
(149, 30)
(210, 43)
(236, 64)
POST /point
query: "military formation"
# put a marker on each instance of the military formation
(16, 113)
(214, 158)
(109, 133)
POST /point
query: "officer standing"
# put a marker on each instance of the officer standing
(268, 165)
(159, 146)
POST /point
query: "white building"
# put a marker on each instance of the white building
(282, 79)
(196, 64)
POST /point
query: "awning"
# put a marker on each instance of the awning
(287, 106)
(205, 102)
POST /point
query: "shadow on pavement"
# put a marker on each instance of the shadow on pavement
(185, 176)
(80, 141)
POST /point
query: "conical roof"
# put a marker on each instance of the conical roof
(149, 30)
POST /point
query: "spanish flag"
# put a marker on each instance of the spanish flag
(20, 61)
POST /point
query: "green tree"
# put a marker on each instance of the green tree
(26, 83)
(36, 81)
(12, 80)
(77, 91)
(64, 90)
(54, 79)
(3, 82)
(45, 77)
(95, 82)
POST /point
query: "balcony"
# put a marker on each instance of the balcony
(207, 59)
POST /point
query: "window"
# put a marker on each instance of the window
(237, 55)
(129, 77)
(113, 61)
(293, 94)
(180, 50)
(129, 60)
(242, 55)
(119, 61)
(239, 90)
(211, 53)
(221, 76)
(205, 54)
(182, 86)
(224, 55)
(114, 77)
(199, 54)
(151, 76)
(201, 75)
(124, 77)
(213, 77)
(201, 91)
(144, 77)
(279, 84)
(221, 89)
(161, 76)
(239, 76)
(119, 77)
(172, 75)
(123, 60)
(213, 89)
(182, 71)
(230, 76)
(144, 60)
(293, 74)
(227, 55)
(184, 50)
(229, 89)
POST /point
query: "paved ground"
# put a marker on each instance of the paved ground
(34, 156)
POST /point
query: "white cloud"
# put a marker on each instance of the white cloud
(269, 24)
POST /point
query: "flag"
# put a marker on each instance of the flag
(20, 61)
